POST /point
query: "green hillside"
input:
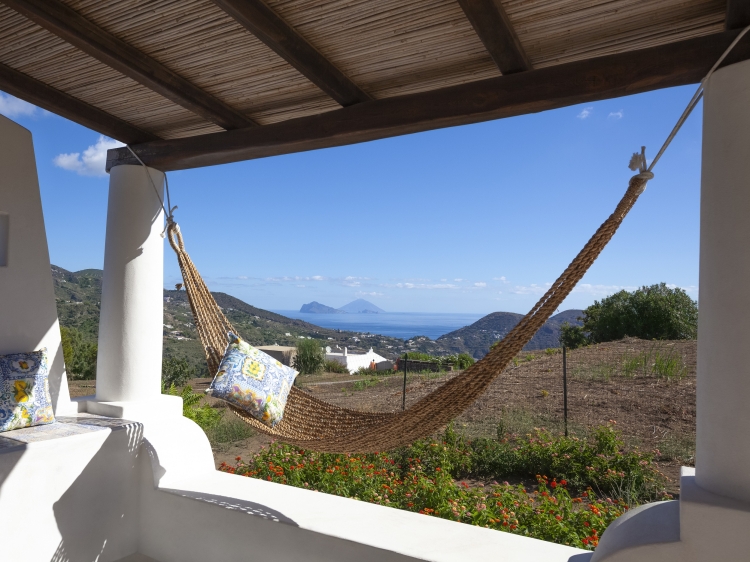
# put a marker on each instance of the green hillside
(78, 296)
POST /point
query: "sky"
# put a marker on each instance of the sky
(471, 219)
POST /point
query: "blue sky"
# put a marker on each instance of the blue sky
(468, 219)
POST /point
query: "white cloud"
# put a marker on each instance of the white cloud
(480, 284)
(11, 106)
(351, 281)
(601, 290)
(585, 112)
(458, 280)
(372, 294)
(503, 279)
(426, 286)
(91, 162)
(616, 115)
(533, 289)
(317, 278)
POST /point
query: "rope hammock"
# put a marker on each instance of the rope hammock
(314, 424)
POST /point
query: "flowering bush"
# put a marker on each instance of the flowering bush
(421, 479)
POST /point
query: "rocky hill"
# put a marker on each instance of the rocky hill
(477, 338)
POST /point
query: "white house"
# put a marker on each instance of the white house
(353, 361)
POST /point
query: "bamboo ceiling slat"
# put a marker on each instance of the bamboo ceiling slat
(29, 49)
(386, 47)
(559, 31)
(207, 47)
(383, 44)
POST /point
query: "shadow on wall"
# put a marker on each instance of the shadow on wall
(97, 516)
(235, 504)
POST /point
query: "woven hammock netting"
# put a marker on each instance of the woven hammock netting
(317, 425)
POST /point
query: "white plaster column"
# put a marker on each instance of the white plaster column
(28, 315)
(711, 518)
(723, 397)
(130, 326)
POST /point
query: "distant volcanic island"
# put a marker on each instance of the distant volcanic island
(359, 306)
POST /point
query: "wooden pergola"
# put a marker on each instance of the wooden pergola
(193, 83)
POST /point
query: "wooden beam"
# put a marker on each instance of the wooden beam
(57, 18)
(283, 39)
(40, 94)
(496, 32)
(738, 14)
(675, 64)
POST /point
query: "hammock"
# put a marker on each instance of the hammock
(314, 424)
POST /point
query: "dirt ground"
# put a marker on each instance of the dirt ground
(646, 388)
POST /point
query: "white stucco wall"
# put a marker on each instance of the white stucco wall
(28, 314)
(723, 385)
(353, 362)
(72, 498)
(711, 519)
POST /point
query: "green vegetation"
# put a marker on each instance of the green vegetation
(659, 361)
(460, 361)
(194, 407)
(176, 372)
(230, 429)
(572, 488)
(657, 312)
(572, 337)
(363, 384)
(310, 358)
(79, 354)
(330, 366)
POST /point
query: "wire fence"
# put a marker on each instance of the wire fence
(646, 387)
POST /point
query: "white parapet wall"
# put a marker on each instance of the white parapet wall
(28, 313)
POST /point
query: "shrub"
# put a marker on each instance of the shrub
(656, 312)
(463, 361)
(79, 354)
(330, 366)
(202, 414)
(572, 337)
(229, 429)
(422, 478)
(176, 372)
(310, 357)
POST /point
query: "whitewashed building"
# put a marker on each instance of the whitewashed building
(353, 361)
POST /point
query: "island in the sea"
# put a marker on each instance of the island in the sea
(359, 306)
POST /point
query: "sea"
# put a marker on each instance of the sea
(395, 324)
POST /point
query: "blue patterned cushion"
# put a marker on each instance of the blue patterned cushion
(24, 390)
(253, 381)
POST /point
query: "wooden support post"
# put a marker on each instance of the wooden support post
(403, 395)
(565, 388)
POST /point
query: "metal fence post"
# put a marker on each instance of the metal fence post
(565, 388)
(403, 395)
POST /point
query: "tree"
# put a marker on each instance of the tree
(657, 312)
(310, 357)
(572, 336)
(79, 354)
(176, 372)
